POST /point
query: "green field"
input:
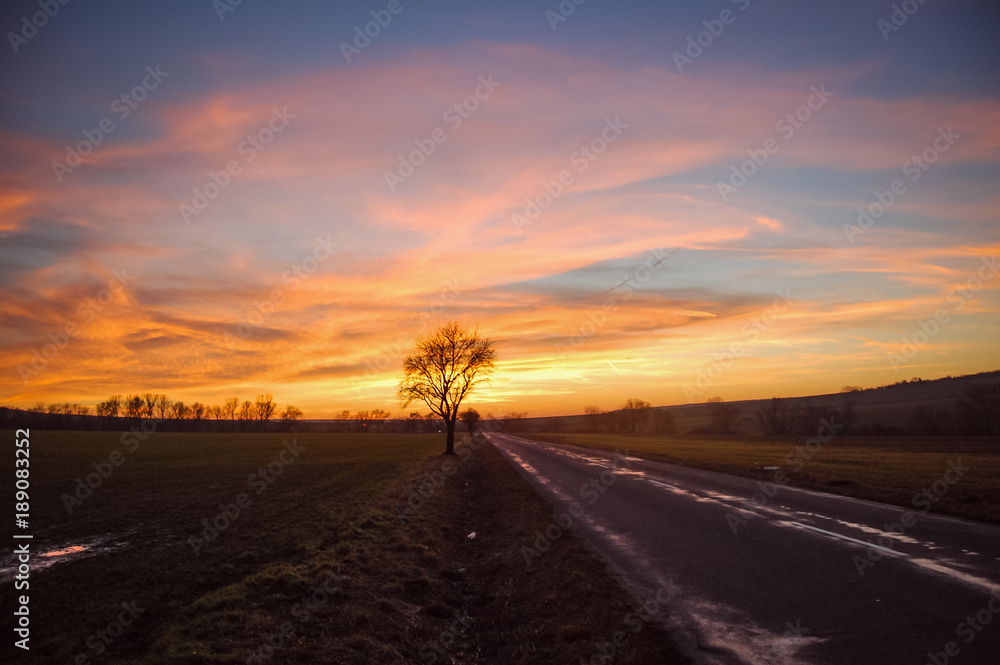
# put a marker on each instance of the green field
(887, 469)
(317, 563)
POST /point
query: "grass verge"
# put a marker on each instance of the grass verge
(887, 469)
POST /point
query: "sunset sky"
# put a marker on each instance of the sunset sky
(570, 205)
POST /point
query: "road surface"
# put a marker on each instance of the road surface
(759, 574)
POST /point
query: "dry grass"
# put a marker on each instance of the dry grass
(887, 469)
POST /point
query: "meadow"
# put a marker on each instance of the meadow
(302, 548)
(886, 469)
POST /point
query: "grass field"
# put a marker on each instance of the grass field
(887, 469)
(316, 566)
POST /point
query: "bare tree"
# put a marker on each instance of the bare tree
(361, 420)
(197, 411)
(980, 407)
(471, 418)
(246, 414)
(808, 418)
(662, 422)
(264, 408)
(446, 367)
(773, 418)
(414, 422)
(291, 413)
(134, 406)
(230, 406)
(634, 416)
(379, 416)
(723, 415)
(162, 406)
(929, 421)
(593, 414)
(179, 410)
(110, 407)
(149, 404)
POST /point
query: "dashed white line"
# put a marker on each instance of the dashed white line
(853, 540)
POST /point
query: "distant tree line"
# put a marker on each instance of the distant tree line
(635, 417)
(975, 413)
(118, 411)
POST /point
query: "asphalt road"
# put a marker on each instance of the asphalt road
(759, 573)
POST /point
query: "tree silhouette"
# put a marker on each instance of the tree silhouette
(263, 409)
(634, 416)
(980, 407)
(162, 406)
(723, 415)
(230, 407)
(471, 418)
(134, 406)
(291, 413)
(149, 404)
(446, 367)
(773, 418)
(593, 414)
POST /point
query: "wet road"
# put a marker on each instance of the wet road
(765, 573)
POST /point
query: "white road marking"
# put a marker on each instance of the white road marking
(853, 540)
(655, 482)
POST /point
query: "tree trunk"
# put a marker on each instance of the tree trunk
(450, 447)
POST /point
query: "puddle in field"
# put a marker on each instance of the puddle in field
(40, 560)
(72, 549)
